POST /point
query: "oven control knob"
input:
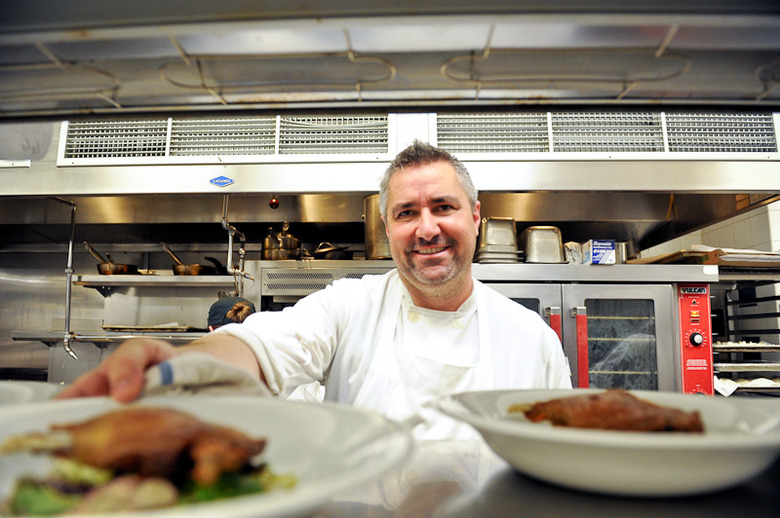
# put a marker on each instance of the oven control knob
(696, 339)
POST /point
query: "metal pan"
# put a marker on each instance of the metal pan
(328, 251)
(105, 267)
(277, 254)
(195, 269)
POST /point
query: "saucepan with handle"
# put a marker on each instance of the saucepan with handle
(195, 269)
(328, 251)
(108, 267)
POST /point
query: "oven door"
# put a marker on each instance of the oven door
(621, 336)
(544, 299)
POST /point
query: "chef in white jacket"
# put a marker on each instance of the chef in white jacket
(387, 343)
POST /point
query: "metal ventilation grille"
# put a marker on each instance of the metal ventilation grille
(300, 276)
(701, 132)
(493, 133)
(607, 132)
(230, 136)
(210, 138)
(275, 288)
(116, 139)
(328, 135)
(292, 282)
(300, 282)
(358, 275)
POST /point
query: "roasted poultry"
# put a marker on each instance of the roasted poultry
(147, 441)
(612, 410)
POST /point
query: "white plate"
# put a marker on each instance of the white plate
(741, 439)
(329, 448)
(15, 392)
(12, 393)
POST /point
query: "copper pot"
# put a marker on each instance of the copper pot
(109, 267)
(195, 269)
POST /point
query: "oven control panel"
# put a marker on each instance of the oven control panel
(695, 338)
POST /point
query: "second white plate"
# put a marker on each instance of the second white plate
(741, 439)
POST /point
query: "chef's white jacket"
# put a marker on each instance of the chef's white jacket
(350, 336)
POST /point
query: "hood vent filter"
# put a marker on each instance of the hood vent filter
(212, 139)
(354, 137)
(715, 132)
(332, 135)
(607, 132)
(116, 139)
(495, 133)
(234, 136)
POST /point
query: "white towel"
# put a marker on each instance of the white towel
(200, 373)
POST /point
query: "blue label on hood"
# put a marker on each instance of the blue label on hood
(221, 181)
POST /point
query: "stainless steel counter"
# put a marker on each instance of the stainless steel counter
(439, 482)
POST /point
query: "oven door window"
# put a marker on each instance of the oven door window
(622, 344)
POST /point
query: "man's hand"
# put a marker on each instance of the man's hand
(122, 374)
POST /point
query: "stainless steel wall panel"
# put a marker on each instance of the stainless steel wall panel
(32, 297)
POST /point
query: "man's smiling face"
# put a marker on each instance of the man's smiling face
(431, 226)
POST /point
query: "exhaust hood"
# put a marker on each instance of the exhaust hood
(645, 176)
(541, 66)
(104, 57)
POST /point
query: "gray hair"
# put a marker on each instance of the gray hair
(421, 153)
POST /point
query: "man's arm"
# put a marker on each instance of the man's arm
(227, 348)
(122, 374)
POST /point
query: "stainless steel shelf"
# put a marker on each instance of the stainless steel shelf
(101, 339)
(614, 273)
(747, 348)
(103, 281)
(750, 275)
(769, 391)
(747, 367)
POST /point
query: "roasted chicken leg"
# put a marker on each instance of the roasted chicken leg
(148, 441)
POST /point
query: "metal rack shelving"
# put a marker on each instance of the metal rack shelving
(748, 352)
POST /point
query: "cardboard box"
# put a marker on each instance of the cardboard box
(726, 257)
(598, 251)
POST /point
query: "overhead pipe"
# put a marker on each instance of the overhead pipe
(68, 334)
(232, 231)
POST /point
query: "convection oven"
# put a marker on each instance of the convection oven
(628, 335)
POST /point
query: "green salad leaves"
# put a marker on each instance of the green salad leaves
(73, 487)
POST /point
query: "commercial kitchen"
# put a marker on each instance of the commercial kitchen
(155, 158)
